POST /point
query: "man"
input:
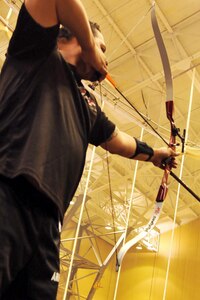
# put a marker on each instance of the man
(47, 120)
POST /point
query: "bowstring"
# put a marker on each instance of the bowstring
(109, 183)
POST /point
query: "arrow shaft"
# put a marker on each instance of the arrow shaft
(185, 186)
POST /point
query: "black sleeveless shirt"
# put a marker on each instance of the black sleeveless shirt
(47, 118)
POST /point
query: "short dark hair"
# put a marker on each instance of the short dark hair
(64, 32)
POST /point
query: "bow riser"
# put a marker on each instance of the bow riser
(170, 110)
(174, 129)
(162, 192)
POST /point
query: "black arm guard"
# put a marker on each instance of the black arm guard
(143, 148)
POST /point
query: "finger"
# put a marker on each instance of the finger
(173, 163)
(174, 153)
(170, 161)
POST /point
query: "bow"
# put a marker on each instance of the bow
(162, 192)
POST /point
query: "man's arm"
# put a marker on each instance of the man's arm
(72, 14)
(124, 145)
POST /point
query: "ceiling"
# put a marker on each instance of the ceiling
(135, 65)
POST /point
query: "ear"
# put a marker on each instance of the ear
(70, 50)
(61, 42)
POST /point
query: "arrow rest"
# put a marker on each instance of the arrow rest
(176, 132)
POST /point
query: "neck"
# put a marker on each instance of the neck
(71, 59)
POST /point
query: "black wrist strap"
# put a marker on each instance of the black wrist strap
(142, 148)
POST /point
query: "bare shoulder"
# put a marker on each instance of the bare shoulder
(43, 12)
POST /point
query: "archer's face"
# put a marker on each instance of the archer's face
(85, 70)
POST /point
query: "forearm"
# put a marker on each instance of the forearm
(72, 14)
(124, 145)
(127, 146)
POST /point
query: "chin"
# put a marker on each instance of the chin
(90, 77)
(94, 76)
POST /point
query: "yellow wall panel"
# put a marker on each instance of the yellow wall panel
(143, 275)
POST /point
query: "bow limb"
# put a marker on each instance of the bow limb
(144, 231)
(168, 77)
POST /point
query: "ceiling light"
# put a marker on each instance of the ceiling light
(108, 227)
(139, 247)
